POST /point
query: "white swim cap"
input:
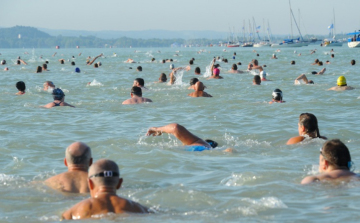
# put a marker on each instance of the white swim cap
(263, 75)
(172, 66)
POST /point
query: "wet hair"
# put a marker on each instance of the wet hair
(257, 79)
(332, 55)
(239, 63)
(136, 91)
(277, 94)
(197, 70)
(234, 67)
(140, 81)
(193, 81)
(256, 62)
(20, 85)
(257, 55)
(212, 143)
(46, 61)
(292, 62)
(352, 62)
(163, 61)
(171, 60)
(72, 63)
(311, 82)
(39, 69)
(96, 65)
(62, 61)
(191, 62)
(234, 53)
(193, 59)
(58, 94)
(153, 59)
(309, 121)
(336, 153)
(163, 77)
(226, 60)
(139, 68)
(216, 65)
(320, 63)
(45, 66)
(316, 60)
(18, 62)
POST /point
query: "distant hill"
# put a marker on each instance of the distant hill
(144, 34)
(24, 31)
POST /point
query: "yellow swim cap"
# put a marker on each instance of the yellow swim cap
(341, 81)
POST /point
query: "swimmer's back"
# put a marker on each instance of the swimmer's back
(103, 204)
(70, 182)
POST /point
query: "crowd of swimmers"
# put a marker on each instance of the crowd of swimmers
(102, 178)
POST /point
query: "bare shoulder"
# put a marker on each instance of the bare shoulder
(310, 179)
(295, 140)
(148, 100)
(50, 105)
(79, 210)
(126, 102)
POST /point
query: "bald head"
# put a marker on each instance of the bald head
(104, 173)
(78, 153)
(199, 86)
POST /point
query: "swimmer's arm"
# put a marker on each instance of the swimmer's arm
(23, 62)
(302, 77)
(66, 104)
(322, 71)
(295, 140)
(310, 179)
(95, 59)
(50, 105)
(67, 215)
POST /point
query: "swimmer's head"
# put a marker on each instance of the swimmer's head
(336, 154)
(18, 62)
(197, 70)
(277, 95)
(20, 85)
(153, 59)
(320, 63)
(139, 82)
(38, 69)
(199, 86)
(163, 77)
(136, 91)
(3, 62)
(139, 68)
(44, 66)
(6, 68)
(172, 66)
(193, 81)
(292, 62)
(263, 75)
(96, 65)
(311, 82)
(72, 63)
(257, 80)
(234, 67)
(58, 94)
(341, 81)
(77, 70)
(309, 123)
(316, 60)
(212, 143)
(352, 62)
(239, 63)
(104, 172)
(191, 62)
(78, 153)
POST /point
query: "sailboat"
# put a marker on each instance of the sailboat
(264, 42)
(233, 42)
(330, 42)
(291, 42)
(250, 41)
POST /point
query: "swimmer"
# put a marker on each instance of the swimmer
(257, 80)
(139, 68)
(59, 98)
(316, 62)
(254, 65)
(308, 128)
(139, 82)
(277, 96)
(103, 180)
(173, 72)
(341, 85)
(193, 81)
(162, 78)
(20, 61)
(20, 85)
(334, 164)
(199, 91)
(332, 55)
(215, 71)
(44, 67)
(292, 62)
(192, 142)
(3, 62)
(352, 62)
(62, 61)
(327, 62)
(48, 86)
(191, 62)
(136, 97)
(234, 70)
(78, 160)
(320, 72)
(39, 69)
(274, 56)
(303, 78)
(197, 71)
(91, 62)
(72, 63)
(6, 69)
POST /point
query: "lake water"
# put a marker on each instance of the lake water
(259, 182)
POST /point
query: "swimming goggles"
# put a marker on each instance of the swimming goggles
(106, 174)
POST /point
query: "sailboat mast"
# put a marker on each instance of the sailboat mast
(292, 35)
(333, 30)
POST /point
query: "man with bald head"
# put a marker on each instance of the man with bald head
(104, 179)
(78, 160)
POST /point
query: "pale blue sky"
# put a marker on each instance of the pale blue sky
(217, 15)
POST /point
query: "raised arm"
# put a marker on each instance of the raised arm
(95, 59)
(23, 62)
(179, 131)
(302, 77)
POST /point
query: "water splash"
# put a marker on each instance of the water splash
(208, 72)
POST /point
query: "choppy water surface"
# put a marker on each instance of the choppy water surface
(259, 182)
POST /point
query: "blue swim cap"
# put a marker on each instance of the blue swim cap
(77, 70)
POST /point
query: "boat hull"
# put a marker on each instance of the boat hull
(354, 44)
(332, 44)
(285, 45)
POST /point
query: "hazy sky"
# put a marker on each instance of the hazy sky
(217, 15)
